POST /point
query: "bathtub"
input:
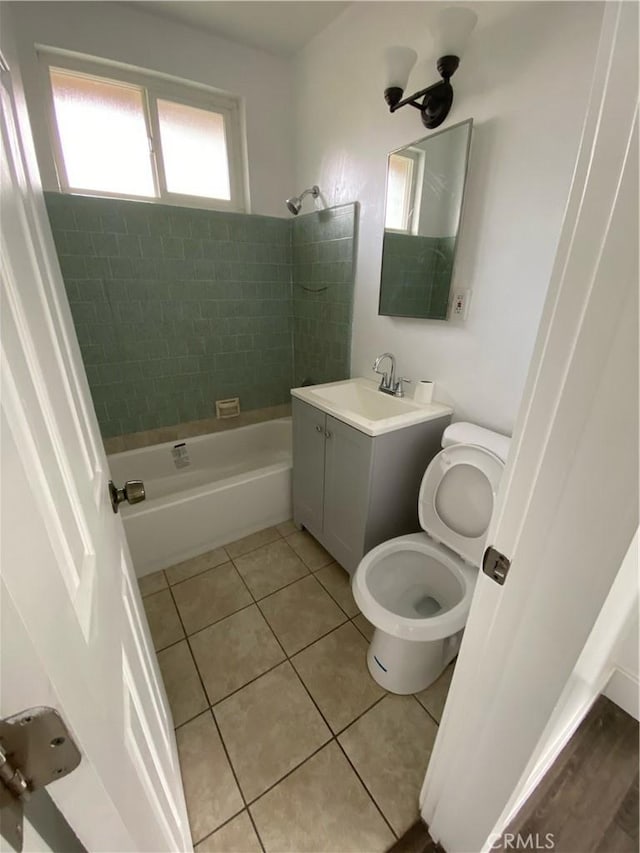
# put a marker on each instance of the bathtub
(205, 491)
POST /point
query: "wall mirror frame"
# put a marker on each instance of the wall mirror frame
(423, 211)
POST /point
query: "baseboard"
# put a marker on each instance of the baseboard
(623, 688)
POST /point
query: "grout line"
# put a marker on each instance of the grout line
(197, 574)
(289, 772)
(222, 825)
(255, 829)
(287, 659)
(229, 559)
(373, 799)
(360, 715)
(353, 619)
(317, 639)
(209, 710)
(215, 723)
(329, 593)
(147, 594)
(221, 619)
(427, 712)
(334, 738)
(262, 597)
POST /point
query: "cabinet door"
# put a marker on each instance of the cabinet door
(308, 466)
(346, 492)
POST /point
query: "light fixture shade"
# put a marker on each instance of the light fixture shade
(399, 61)
(452, 30)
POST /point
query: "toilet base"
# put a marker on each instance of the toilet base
(405, 666)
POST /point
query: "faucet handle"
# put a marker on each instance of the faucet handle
(399, 389)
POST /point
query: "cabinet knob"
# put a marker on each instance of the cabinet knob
(318, 428)
(328, 434)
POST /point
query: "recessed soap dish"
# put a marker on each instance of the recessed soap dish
(229, 408)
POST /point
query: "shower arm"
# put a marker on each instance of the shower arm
(314, 191)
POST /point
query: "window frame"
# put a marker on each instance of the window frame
(413, 193)
(153, 88)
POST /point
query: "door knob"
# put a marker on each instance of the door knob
(133, 492)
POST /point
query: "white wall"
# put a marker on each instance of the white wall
(524, 80)
(116, 32)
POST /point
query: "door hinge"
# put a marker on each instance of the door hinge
(496, 565)
(35, 749)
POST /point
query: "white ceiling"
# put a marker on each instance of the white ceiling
(278, 27)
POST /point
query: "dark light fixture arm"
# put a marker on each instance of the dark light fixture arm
(412, 100)
(436, 99)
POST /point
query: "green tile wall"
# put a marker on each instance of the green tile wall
(175, 307)
(416, 275)
(322, 274)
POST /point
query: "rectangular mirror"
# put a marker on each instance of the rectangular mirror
(425, 188)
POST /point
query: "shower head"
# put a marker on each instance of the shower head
(295, 203)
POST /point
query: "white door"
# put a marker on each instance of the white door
(73, 633)
(568, 506)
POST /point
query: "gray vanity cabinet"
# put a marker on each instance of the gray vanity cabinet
(351, 490)
(309, 426)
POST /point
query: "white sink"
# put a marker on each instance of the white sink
(359, 403)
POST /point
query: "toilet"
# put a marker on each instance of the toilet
(416, 590)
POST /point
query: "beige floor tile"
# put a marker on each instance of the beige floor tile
(234, 651)
(184, 690)
(390, 747)
(237, 836)
(270, 568)
(337, 582)
(286, 528)
(188, 568)
(210, 596)
(250, 543)
(164, 623)
(321, 806)
(152, 583)
(210, 790)
(300, 613)
(269, 727)
(434, 697)
(335, 672)
(309, 550)
(364, 626)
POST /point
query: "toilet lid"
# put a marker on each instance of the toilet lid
(457, 496)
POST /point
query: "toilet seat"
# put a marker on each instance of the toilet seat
(456, 498)
(455, 504)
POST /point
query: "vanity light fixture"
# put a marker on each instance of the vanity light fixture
(451, 32)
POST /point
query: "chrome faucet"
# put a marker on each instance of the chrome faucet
(388, 383)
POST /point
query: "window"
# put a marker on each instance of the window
(402, 189)
(130, 136)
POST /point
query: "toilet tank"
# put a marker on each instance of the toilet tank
(465, 433)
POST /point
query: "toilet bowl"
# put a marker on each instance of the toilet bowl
(416, 590)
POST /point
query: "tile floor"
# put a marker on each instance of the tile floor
(286, 743)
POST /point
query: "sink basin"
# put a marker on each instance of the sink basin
(359, 403)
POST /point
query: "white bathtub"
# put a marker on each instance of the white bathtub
(204, 492)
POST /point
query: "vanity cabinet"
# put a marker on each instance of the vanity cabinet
(351, 490)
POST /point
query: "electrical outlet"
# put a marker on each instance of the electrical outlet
(461, 303)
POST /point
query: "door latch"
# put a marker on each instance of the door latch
(35, 749)
(496, 565)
